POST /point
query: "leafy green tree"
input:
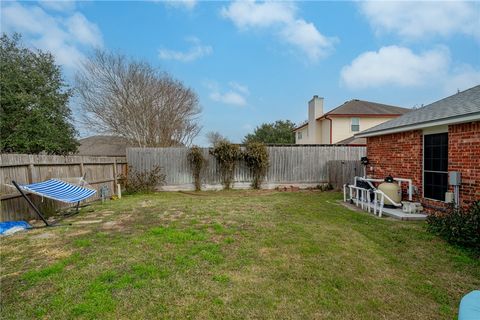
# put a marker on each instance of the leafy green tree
(34, 112)
(279, 132)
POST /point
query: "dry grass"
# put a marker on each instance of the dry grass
(236, 254)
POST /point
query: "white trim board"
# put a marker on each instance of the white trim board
(442, 122)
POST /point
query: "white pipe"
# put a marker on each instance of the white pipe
(410, 186)
(368, 204)
(388, 198)
(369, 181)
(399, 180)
(456, 193)
(119, 191)
(381, 205)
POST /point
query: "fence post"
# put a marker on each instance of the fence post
(82, 169)
(30, 173)
(30, 178)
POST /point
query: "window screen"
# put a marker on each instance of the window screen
(435, 166)
(355, 124)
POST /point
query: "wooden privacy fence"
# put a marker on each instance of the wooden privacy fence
(300, 165)
(24, 168)
(342, 172)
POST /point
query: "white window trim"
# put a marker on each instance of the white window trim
(352, 124)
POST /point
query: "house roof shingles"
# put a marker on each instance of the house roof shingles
(353, 141)
(360, 107)
(103, 146)
(458, 105)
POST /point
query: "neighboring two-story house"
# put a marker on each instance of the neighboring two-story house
(340, 124)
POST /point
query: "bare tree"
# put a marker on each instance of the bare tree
(131, 99)
(214, 137)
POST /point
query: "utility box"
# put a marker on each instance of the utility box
(454, 178)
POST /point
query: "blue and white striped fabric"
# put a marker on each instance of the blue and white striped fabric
(59, 190)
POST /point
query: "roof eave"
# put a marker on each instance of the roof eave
(360, 115)
(447, 121)
(300, 127)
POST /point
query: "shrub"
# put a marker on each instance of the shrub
(143, 181)
(197, 162)
(256, 158)
(227, 155)
(458, 226)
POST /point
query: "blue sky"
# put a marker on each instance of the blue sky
(254, 62)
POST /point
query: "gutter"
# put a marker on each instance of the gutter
(447, 121)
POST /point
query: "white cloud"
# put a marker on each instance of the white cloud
(461, 78)
(236, 95)
(395, 65)
(63, 5)
(195, 52)
(184, 4)
(418, 19)
(230, 97)
(64, 37)
(281, 18)
(399, 66)
(83, 30)
(238, 87)
(246, 14)
(305, 36)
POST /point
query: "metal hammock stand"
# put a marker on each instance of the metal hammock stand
(55, 189)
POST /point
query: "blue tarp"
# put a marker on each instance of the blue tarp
(470, 306)
(18, 225)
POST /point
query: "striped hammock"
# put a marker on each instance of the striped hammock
(59, 190)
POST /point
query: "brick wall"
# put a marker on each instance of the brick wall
(464, 156)
(400, 155)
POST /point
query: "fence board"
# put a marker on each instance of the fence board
(341, 172)
(301, 165)
(25, 168)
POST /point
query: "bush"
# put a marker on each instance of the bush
(143, 181)
(227, 155)
(197, 162)
(256, 158)
(458, 226)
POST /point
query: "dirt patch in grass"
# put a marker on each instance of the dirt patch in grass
(44, 235)
(81, 222)
(75, 233)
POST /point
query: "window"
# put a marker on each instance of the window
(435, 166)
(355, 124)
(299, 135)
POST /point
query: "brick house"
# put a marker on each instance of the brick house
(428, 143)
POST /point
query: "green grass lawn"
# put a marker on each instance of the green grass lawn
(232, 255)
